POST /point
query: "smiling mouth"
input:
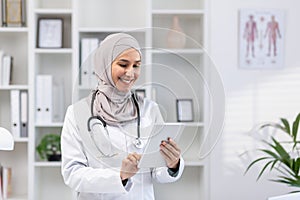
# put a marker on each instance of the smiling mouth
(127, 81)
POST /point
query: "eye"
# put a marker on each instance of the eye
(136, 65)
(122, 65)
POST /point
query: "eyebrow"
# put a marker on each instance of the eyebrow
(124, 60)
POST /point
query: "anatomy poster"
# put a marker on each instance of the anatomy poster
(261, 34)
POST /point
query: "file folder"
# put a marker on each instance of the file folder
(43, 99)
(15, 113)
(87, 75)
(24, 114)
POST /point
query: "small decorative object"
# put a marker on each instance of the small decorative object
(50, 33)
(49, 148)
(262, 36)
(281, 153)
(184, 110)
(176, 38)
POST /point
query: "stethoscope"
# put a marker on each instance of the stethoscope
(138, 143)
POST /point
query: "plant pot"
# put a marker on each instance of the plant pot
(56, 157)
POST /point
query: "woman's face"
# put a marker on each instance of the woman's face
(125, 69)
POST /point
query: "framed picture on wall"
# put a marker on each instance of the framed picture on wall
(50, 33)
(261, 38)
(184, 109)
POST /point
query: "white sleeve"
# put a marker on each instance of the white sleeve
(162, 175)
(75, 166)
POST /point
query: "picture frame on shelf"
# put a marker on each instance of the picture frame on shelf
(184, 108)
(50, 33)
(13, 13)
(140, 93)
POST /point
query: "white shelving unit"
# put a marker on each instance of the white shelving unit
(45, 177)
(15, 41)
(34, 179)
(186, 65)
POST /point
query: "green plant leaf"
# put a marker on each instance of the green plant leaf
(274, 125)
(271, 153)
(49, 145)
(263, 169)
(295, 129)
(295, 182)
(277, 154)
(255, 161)
(286, 124)
(273, 165)
(296, 166)
(285, 157)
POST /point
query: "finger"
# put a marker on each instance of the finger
(132, 159)
(171, 161)
(137, 156)
(173, 143)
(172, 151)
(168, 153)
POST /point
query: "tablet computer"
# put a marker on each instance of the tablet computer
(151, 156)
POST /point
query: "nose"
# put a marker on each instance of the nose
(129, 71)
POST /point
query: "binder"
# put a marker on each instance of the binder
(47, 99)
(1, 13)
(1, 180)
(1, 66)
(7, 69)
(92, 76)
(84, 53)
(15, 113)
(39, 99)
(87, 75)
(24, 113)
(58, 101)
(43, 99)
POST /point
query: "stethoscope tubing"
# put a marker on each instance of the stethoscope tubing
(137, 143)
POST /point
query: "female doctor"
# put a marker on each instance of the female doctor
(104, 164)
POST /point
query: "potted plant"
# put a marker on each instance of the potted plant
(49, 148)
(282, 155)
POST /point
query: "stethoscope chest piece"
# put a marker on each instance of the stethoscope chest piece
(138, 143)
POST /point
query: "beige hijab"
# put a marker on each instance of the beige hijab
(113, 106)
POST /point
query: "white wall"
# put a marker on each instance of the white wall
(252, 96)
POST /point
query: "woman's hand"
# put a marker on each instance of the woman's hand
(171, 152)
(129, 166)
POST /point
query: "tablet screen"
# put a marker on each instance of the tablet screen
(151, 156)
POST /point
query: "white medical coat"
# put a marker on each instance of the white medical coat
(93, 178)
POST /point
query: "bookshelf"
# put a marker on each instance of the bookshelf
(14, 41)
(54, 63)
(82, 19)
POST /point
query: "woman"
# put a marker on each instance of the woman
(111, 171)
